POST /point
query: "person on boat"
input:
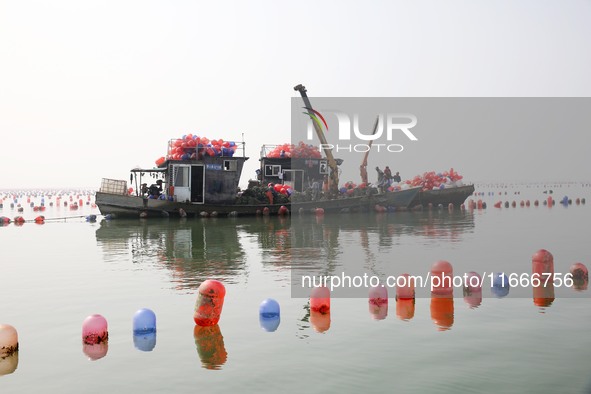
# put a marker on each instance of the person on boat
(396, 178)
(315, 189)
(381, 180)
(387, 173)
(156, 189)
(144, 189)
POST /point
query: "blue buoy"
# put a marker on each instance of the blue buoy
(500, 285)
(146, 342)
(91, 218)
(144, 321)
(269, 315)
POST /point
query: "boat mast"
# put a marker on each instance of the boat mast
(333, 184)
(363, 166)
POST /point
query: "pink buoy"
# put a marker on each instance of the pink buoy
(378, 302)
(441, 279)
(320, 299)
(580, 276)
(95, 330)
(319, 211)
(8, 340)
(283, 210)
(473, 289)
(210, 301)
(405, 287)
(266, 211)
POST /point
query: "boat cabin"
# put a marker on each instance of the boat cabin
(297, 172)
(194, 177)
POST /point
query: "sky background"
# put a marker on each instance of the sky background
(91, 89)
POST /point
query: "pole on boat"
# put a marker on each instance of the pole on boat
(334, 173)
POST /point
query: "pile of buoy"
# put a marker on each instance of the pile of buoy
(301, 150)
(436, 180)
(194, 147)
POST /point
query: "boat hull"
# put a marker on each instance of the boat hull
(132, 206)
(454, 195)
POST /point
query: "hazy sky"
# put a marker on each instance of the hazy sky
(90, 89)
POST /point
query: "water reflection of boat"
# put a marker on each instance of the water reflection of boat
(193, 250)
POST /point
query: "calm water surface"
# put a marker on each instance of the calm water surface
(55, 275)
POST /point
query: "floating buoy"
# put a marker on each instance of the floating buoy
(95, 330)
(91, 218)
(182, 213)
(550, 201)
(144, 321)
(8, 364)
(208, 308)
(536, 203)
(320, 321)
(283, 210)
(405, 308)
(442, 312)
(4, 220)
(40, 219)
(473, 289)
(441, 279)
(450, 207)
(513, 204)
(580, 276)
(500, 285)
(35, 209)
(319, 211)
(378, 302)
(479, 204)
(269, 315)
(498, 204)
(542, 262)
(320, 299)
(380, 208)
(19, 220)
(210, 346)
(8, 340)
(266, 211)
(405, 287)
(527, 203)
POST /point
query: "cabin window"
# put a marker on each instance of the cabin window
(230, 165)
(181, 178)
(272, 170)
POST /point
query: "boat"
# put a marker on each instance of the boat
(199, 183)
(453, 195)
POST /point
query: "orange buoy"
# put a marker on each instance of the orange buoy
(405, 308)
(40, 219)
(442, 312)
(208, 308)
(405, 287)
(210, 346)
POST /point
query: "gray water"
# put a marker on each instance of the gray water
(56, 274)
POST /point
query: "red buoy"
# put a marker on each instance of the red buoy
(208, 308)
(320, 299)
(283, 210)
(441, 279)
(498, 204)
(40, 219)
(319, 211)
